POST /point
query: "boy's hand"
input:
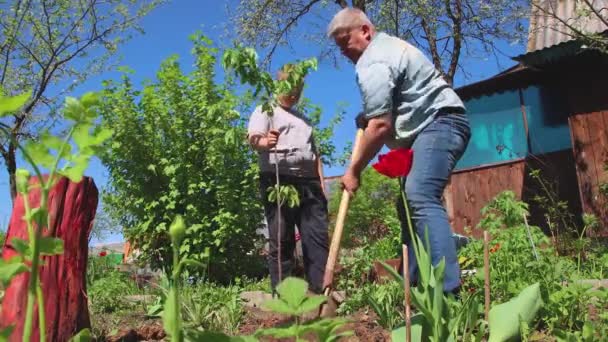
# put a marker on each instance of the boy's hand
(272, 137)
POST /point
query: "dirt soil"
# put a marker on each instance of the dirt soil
(137, 327)
(363, 325)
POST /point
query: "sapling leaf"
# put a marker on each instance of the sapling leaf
(293, 291)
(6, 333)
(10, 268)
(73, 109)
(90, 99)
(289, 331)
(81, 135)
(83, 335)
(11, 104)
(279, 306)
(40, 154)
(311, 303)
(21, 246)
(50, 246)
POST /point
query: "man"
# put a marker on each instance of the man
(285, 137)
(406, 103)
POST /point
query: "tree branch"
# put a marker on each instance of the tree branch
(291, 22)
(11, 39)
(597, 13)
(430, 37)
(457, 34)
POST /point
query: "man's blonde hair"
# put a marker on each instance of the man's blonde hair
(346, 19)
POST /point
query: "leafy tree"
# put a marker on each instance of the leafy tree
(57, 43)
(103, 225)
(372, 213)
(445, 29)
(179, 148)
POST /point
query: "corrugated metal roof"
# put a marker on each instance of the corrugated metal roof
(551, 54)
(550, 19)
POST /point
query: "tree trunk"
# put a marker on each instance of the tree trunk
(11, 167)
(72, 209)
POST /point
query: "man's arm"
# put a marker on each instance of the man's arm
(378, 130)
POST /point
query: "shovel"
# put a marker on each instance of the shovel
(328, 309)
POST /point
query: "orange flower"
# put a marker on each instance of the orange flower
(495, 248)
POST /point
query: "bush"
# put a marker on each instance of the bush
(372, 214)
(106, 294)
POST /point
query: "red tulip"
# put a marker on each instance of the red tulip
(396, 163)
(103, 253)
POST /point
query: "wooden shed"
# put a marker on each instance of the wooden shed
(550, 112)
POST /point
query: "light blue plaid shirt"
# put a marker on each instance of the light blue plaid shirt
(396, 77)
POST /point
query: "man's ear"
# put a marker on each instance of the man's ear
(367, 32)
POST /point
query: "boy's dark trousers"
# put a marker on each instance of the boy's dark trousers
(311, 219)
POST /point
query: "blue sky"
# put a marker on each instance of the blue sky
(166, 33)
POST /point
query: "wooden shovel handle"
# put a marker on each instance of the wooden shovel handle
(334, 247)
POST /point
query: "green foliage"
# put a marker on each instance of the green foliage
(293, 301)
(67, 157)
(387, 301)
(107, 292)
(513, 265)
(180, 149)
(558, 218)
(292, 298)
(284, 193)
(356, 266)
(212, 307)
(372, 213)
(243, 62)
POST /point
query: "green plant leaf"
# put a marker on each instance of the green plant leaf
(6, 333)
(169, 319)
(504, 318)
(73, 110)
(21, 246)
(279, 306)
(9, 105)
(193, 263)
(203, 336)
(293, 291)
(50, 246)
(83, 335)
(418, 326)
(311, 303)
(326, 329)
(289, 331)
(90, 99)
(40, 154)
(11, 268)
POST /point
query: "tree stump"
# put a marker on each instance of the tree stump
(72, 209)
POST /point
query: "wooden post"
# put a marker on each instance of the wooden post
(406, 285)
(486, 268)
(72, 209)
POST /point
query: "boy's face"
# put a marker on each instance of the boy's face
(289, 100)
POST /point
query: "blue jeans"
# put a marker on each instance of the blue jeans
(437, 149)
